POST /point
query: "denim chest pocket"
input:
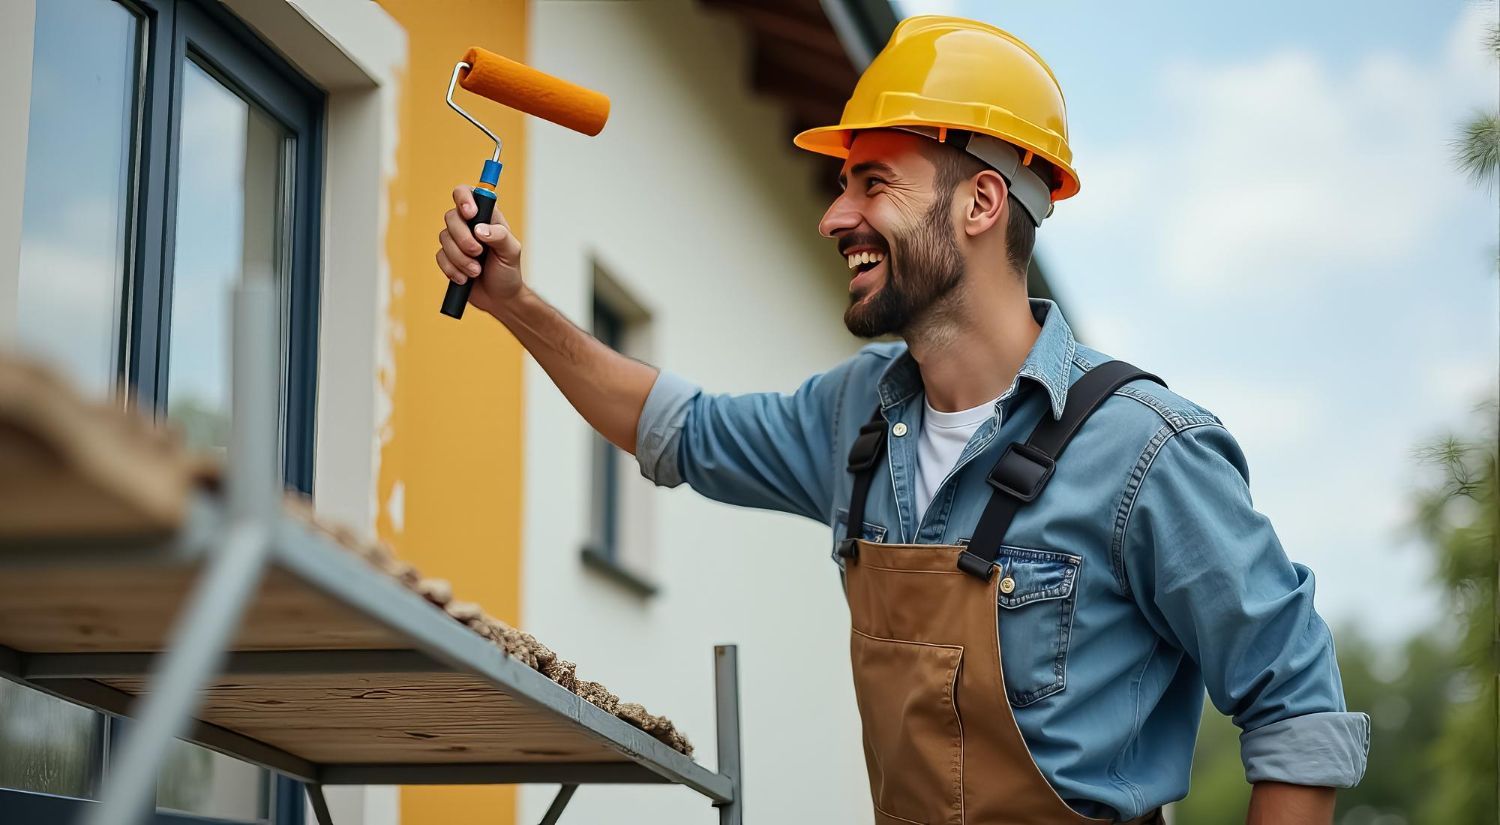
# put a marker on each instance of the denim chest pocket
(868, 532)
(1036, 619)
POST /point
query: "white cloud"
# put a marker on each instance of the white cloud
(1283, 236)
(1460, 385)
(1286, 170)
(1267, 418)
(69, 295)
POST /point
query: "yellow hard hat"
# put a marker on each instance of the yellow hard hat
(949, 73)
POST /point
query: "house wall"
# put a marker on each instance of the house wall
(448, 486)
(694, 201)
(443, 439)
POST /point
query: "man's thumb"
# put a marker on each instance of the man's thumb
(498, 238)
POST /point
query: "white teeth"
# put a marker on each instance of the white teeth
(860, 258)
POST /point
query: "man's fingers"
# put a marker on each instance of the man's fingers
(462, 237)
(463, 201)
(461, 262)
(499, 238)
(453, 274)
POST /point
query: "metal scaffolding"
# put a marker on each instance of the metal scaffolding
(233, 542)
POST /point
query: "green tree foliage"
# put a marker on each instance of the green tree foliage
(1219, 794)
(1404, 690)
(1458, 514)
(1477, 149)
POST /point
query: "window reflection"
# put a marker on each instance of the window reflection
(74, 258)
(79, 163)
(230, 223)
(199, 781)
(48, 745)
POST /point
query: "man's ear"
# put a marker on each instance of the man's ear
(987, 206)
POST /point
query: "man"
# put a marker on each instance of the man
(1019, 657)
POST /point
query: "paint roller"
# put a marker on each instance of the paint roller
(525, 89)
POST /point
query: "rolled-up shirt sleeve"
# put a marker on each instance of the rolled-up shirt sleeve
(768, 450)
(1210, 574)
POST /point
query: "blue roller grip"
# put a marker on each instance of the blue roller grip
(457, 296)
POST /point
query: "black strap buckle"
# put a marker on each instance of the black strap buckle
(849, 549)
(975, 566)
(1022, 471)
(866, 448)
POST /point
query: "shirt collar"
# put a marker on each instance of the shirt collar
(1049, 363)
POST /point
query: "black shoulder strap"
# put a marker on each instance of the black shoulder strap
(864, 455)
(1024, 468)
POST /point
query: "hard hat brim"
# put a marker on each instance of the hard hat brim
(834, 141)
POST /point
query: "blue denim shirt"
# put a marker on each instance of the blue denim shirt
(1143, 574)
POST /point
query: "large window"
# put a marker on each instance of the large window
(169, 155)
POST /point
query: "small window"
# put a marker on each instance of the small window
(620, 535)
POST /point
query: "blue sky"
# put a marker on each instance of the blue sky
(1270, 220)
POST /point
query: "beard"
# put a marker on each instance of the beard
(923, 268)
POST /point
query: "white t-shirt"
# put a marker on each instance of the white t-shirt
(944, 436)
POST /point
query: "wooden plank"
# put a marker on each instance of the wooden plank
(424, 718)
(82, 468)
(130, 609)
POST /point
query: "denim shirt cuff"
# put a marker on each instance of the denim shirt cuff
(658, 433)
(1319, 749)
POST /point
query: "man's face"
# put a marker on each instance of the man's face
(890, 212)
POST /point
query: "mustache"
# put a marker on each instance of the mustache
(853, 239)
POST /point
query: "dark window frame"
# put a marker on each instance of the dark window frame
(601, 552)
(171, 32)
(609, 328)
(178, 30)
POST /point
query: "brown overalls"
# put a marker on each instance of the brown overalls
(941, 743)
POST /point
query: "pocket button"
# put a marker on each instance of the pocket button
(1007, 585)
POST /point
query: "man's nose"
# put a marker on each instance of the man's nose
(841, 216)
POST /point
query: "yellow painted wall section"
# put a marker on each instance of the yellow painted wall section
(450, 479)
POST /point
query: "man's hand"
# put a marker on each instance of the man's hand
(459, 250)
(1277, 803)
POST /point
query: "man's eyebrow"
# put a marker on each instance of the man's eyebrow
(863, 167)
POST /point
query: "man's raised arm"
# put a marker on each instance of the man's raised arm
(608, 389)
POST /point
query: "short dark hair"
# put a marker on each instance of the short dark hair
(954, 166)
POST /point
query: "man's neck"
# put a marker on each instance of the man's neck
(970, 346)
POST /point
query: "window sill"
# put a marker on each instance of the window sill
(609, 568)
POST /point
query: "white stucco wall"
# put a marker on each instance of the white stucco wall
(693, 199)
(354, 51)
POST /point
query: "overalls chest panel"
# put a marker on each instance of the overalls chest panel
(940, 632)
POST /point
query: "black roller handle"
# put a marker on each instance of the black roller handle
(457, 296)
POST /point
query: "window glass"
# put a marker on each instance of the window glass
(609, 328)
(48, 745)
(199, 781)
(231, 222)
(74, 259)
(75, 222)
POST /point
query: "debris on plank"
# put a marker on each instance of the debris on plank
(59, 451)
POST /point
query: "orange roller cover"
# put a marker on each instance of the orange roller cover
(537, 93)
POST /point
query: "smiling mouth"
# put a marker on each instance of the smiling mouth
(862, 262)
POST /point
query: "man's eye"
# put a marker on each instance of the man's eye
(872, 182)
